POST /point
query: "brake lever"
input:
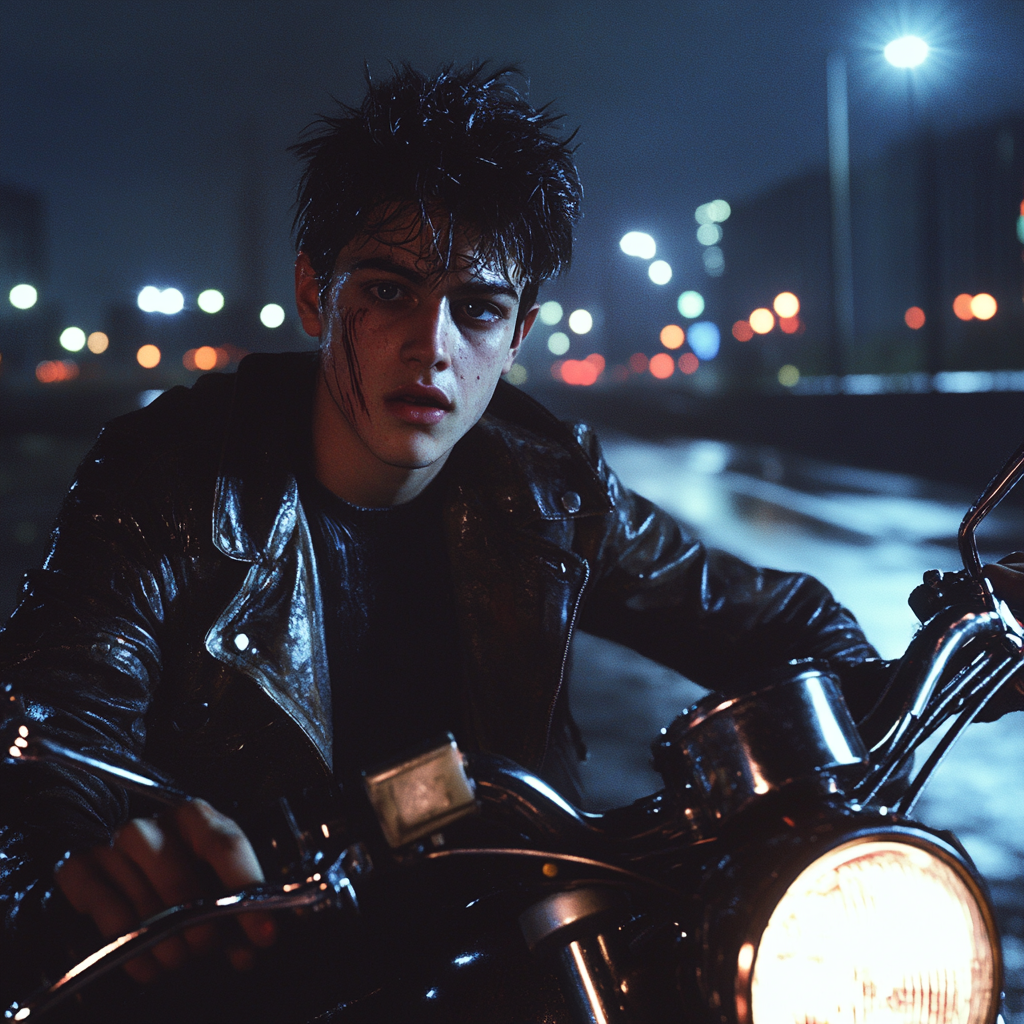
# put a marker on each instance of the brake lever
(321, 890)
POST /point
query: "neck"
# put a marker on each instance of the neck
(347, 468)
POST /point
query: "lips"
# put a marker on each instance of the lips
(419, 404)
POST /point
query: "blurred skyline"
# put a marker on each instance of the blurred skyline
(148, 129)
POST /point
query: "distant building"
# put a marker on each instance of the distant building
(23, 260)
(933, 218)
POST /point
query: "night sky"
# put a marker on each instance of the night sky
(141, 123)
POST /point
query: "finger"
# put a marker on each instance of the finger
(89, 891)
(133, 884)
(168, 867)
(217, 840)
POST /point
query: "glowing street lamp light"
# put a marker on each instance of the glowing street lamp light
(906, 52)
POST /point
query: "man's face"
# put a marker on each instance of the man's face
(411, 353)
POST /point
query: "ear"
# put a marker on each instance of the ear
(307, 296)
(522, 330)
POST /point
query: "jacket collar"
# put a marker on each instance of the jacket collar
(496, 463)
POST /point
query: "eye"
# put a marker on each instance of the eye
(482, 312)
(386, 291)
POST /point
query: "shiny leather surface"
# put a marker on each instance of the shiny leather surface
(177, 615)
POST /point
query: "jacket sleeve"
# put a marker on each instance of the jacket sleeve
(81, 656)
(703, 612)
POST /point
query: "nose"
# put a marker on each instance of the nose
(431, 336)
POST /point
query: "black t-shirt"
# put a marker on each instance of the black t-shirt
(389, 621)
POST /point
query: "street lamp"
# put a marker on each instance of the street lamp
(905, 52)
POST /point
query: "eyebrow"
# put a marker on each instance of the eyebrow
(475, 286)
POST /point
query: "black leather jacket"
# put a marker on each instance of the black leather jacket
(177, 616)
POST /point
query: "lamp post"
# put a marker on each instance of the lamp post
(905, 52)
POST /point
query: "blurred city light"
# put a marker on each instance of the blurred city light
(914, 318)
(662, 366)
(272, 315)
(205, 357)
(714, 261)
(688, 363)
(789, 375)
(672, 336)
(962, 306)
(517, 375)
(98, 343)
(596, 359)
(149, 299)
(786, 304)
(762, 321)
(691, 305)
(550, 313)
(210, 301)
(171, 301)
(148, 357)
(558, 343)
(582, 372)
(23, 296)
(741, 331)
(906, 52)
(983, 306)
(790, 324)
(715, 212)
(637, 243)
(53, 371)
(705, 339)
(580, 321)
(638, 362)
(709, 234)
(659, 272)
(72, 339)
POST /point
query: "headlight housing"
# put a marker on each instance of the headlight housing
(879, 927)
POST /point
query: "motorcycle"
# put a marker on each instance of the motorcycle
(777, 877)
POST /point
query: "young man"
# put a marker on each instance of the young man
(268, 582)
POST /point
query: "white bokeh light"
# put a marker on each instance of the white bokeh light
(637, 243)
(709, 234)
(550, 313)
(72, 339)
(149, 299)
(659, 272)
(171, 301)
(23, 296)
(272, 315)
(558, 343)
(580, 321)
(906, 52)
(210, 301)
(691, 304)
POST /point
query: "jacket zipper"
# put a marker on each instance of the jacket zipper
(565, 657)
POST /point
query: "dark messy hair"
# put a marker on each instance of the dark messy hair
(464, 149)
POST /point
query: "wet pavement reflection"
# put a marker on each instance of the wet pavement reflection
(869, 536)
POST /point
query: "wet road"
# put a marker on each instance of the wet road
(869, 536)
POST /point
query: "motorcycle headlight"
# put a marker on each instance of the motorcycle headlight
(876, 930)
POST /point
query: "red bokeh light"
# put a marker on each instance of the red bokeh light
(53, 371)
(962, 306)
(790, 324)
(662, 365)
(742, 331)
(688, 363)
(638, 362)
(914, 318)
(580, 371)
